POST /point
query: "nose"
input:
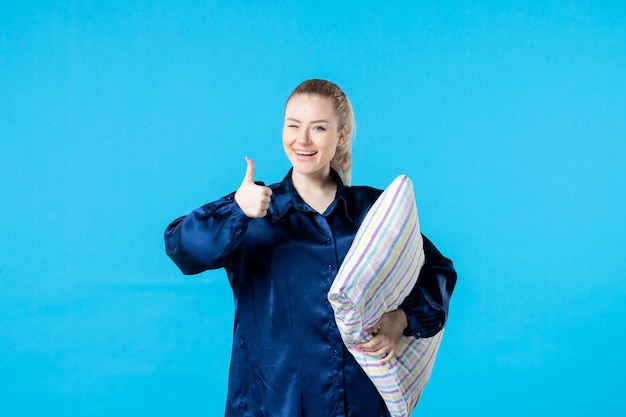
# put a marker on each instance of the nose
(304, 137)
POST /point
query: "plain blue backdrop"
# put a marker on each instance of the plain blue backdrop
(117, 117)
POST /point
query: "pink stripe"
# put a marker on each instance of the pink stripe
(378, 227)
(383, 282)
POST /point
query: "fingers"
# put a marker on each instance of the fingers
(387, 356)
(253, 199)
(379, 346)
(386, 335)
(385, 353)
(248, 178)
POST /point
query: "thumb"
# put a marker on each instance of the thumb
(249, 177)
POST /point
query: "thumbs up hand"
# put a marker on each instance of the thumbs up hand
(253, 199)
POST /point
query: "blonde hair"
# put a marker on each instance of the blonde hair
(342, 161)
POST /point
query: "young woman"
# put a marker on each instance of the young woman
(281, 246)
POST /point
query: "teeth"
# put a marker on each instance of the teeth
(305, 153)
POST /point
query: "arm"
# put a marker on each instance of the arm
(206, 237)
(426, 307)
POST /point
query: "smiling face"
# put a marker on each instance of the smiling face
(311, 135)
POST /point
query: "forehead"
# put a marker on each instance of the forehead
(309, 105)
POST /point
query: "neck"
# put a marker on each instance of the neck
(313, 183)
(317, 191)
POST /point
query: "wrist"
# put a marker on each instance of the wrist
(402, 319)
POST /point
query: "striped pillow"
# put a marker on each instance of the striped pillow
(379, 271)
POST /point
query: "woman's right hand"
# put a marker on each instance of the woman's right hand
(253, 199)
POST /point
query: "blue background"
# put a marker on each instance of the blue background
(510, 117)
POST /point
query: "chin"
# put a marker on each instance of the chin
(311, 171)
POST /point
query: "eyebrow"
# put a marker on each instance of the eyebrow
(313, 121)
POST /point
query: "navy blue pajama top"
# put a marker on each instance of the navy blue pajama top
(288, 358)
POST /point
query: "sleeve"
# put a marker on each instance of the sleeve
(426, 307)
(206, 237)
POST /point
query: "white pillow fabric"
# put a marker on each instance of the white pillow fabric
(379, 271)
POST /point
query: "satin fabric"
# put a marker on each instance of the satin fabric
(376, 276)
(288, 358)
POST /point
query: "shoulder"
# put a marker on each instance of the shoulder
(359, 199)
(362, 192)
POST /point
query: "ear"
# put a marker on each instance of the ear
(342, 136)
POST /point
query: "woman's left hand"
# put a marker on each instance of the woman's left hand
(386, 336)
